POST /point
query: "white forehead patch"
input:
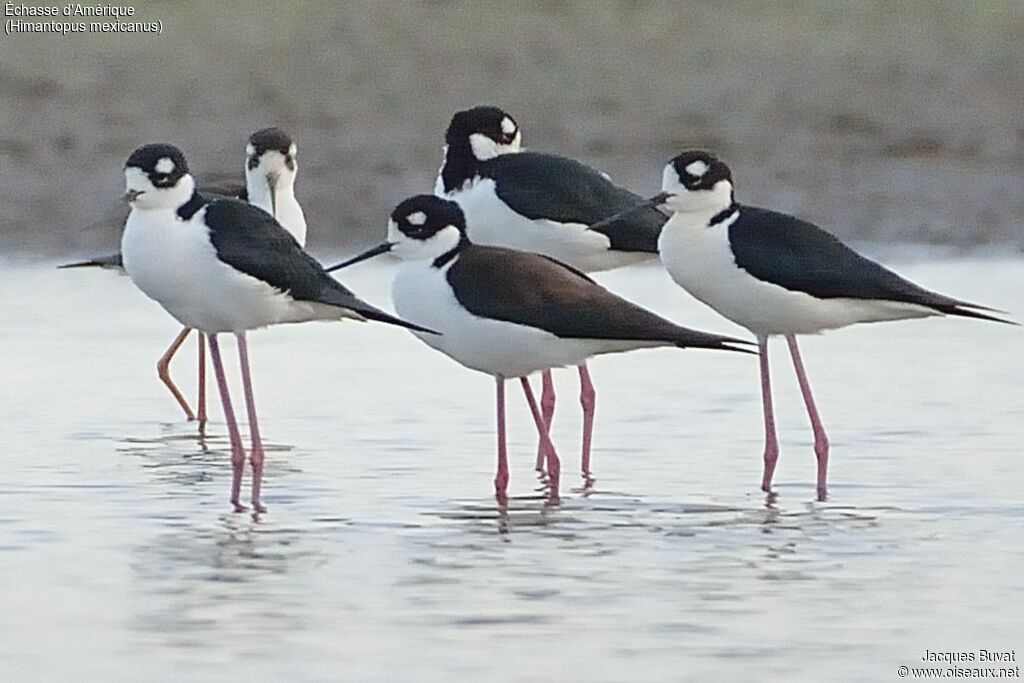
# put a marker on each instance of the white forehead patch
(669, 178)
(508, 126)
(416, 218)
(292, 150)
(134, 178)
(697, 168)
(164, 165)
(250, 150)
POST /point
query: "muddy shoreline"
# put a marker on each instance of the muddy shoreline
(890, 124)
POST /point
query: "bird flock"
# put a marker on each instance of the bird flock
(495, 273)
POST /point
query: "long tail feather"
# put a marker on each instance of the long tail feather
(966, 310)
(699, 340)
(341, 297)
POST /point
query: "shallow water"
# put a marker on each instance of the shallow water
(384, 556)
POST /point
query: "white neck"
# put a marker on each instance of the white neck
(281, 203)
(409, 249)
(699, 204)
(439, 181)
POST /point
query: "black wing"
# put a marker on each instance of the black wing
(801, 257)
(533, 290)
(251, 241)
(543, 186)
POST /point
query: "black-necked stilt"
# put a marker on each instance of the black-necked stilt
(511, 313)
(223, 266)
(542, 203)
(778, 275)
(270, 170)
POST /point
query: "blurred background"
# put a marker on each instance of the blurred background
(886, 122)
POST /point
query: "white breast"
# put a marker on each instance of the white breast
(174, 263)
(490, 221)
(291, 216)
(701, 261)
(422, 295)
(289, 212)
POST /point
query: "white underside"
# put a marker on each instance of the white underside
(422, 295)
(174, 263)
(701, 261)
(491, 222)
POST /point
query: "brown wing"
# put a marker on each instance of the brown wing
(537, 291)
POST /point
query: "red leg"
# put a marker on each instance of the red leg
(237, 450)
(820, 437)
(501, 478)
(256, 450)
(554, 466)
(163, 371)
(771, 441)
(201, 409)
(547, 409)
(588, 398)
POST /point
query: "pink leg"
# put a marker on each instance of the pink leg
(201, 409)
(771, 441)
(163, 371)
(547, 409)
(554, 466)
(501, 478)
(588, 397)
(237, 451)
(256, 450)
(820, 437)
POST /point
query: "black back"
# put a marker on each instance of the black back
(545, 186)
(251, 241)
(537, 291)
(800, 256)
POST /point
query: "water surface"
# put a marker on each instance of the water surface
(384, 557)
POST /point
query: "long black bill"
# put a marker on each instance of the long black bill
(656, 200)
(112, 261)
(376, 251)
(272, 184)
